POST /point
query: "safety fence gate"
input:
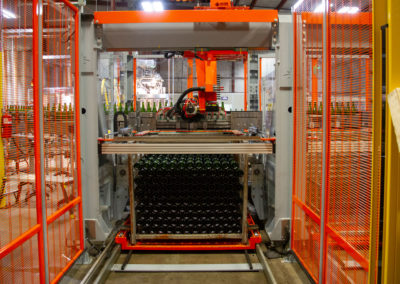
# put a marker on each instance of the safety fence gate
(41, 232)
(334, 210)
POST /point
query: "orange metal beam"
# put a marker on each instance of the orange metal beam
(63, 210)
(65, 268)
(20, 240)
(314, 81)
(186, 16)
(338, 19)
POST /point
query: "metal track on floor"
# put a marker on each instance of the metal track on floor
(224, 267)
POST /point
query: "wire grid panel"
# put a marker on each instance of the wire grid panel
(308, 139)
(350, 169)
(349, 137)
(21, 265)
(18, 203)
(21, 225)
(60, 141)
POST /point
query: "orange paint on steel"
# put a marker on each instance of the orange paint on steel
(363, 18)
(327, 149)
(314, 80)
(348, 163)
(65, 268)
(259, 84)
(245, 83)
(21, 239)
(63, 210)
(190, 76)
(349, 248)
(185, 16)
(134, 83)
(36, 129)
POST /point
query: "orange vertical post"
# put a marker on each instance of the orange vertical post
(245, 84)
(314, 81)
(190, 76)
(36, 129)
(134, 84)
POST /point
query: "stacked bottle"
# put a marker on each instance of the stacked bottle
(188, 194)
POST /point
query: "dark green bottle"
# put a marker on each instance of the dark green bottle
(126, 111)
(315, 110)
(353, 108)
(309, 110)
(143, 109)
(154, 107)
(320, 109)
(148, 107)
(348, 108)
(338, 110)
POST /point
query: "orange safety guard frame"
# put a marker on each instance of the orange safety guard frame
(48, 218)
(186, 16)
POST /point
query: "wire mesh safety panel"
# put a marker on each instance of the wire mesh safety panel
(39, 150)
(341, 169)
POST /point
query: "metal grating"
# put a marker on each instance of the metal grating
(348, 152)
(22, 225)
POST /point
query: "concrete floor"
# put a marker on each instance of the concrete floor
(284, 272)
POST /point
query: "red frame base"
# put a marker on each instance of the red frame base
(152, 245)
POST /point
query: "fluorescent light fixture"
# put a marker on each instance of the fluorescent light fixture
(152, 6)
(158, 6)
(8, 15)
(297, 4)
(348, 10)
(52, 57)
(147, 6)
(319, 8)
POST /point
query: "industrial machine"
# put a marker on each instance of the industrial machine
(191, 118)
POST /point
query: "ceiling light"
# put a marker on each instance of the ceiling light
(319, 8)
(158, 6)
(297, 4)
(8, 15)
(152, 6)
(147, 6)
(348, 10)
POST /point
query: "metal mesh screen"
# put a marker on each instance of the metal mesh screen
(59, 101)
(348, 150)
(22, 241)
(308, 138)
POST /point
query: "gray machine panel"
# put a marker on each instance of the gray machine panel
(186, 35)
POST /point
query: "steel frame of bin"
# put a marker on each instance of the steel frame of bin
(167, 149)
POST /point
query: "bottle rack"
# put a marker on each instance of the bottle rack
(188, 197)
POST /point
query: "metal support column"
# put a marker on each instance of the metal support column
(325, 142)
(391, 229)
(39, 139)
(132, 200)
(245, 198)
